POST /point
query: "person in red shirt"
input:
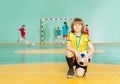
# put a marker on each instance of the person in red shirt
(23, 35)
(86, 29)
(22, 31)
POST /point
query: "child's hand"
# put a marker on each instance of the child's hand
(86, 60)
(77, 54)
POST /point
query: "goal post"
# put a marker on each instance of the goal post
(48, 28)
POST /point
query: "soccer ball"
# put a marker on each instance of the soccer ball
(81, 62)
(33, 44)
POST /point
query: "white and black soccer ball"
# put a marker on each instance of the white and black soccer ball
(81, 62)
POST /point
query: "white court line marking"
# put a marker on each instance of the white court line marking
(51, 51)
(63, 72)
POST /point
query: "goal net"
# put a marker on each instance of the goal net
(48, 28)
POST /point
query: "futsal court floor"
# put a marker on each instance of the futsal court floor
(46, 64)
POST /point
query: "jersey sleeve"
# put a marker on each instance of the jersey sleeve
(69, 36)
(88, 39)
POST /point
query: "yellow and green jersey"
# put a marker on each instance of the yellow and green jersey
(78, 42)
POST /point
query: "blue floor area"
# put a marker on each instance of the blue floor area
(109, 56)
(8, 55)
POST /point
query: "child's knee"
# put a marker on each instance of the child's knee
(69, 53)
(80, 74)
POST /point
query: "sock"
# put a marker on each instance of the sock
(27, 42)
(21, 39)
(70, 62)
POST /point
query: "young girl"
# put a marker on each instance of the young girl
(77, 42)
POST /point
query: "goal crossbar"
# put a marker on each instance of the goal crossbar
(42, 20)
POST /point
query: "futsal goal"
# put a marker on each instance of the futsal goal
(48, 28)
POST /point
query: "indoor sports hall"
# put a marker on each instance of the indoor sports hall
(38, 57)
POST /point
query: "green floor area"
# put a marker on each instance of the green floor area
(8, 55)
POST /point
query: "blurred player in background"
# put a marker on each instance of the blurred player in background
(59, 35)
(23, 35)
(86, 29)
(65, 29)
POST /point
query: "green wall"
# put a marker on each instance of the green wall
(102, 16)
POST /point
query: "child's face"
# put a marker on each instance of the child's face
(77, 27)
